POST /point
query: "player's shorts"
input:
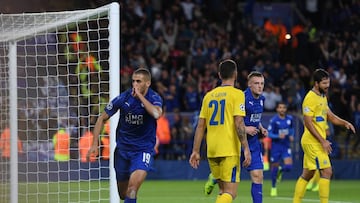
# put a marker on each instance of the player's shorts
(126, 162)
(256, 160)
(279, 153)
(315, 157)
(226, 169)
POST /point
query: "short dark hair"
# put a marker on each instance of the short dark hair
(279, 103)
(320, 74)
(227, 68)
(143, 71)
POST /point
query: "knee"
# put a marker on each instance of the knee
(326, 173)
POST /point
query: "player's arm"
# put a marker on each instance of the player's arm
(96, 132)
(153, 110)
(339, 121)
(240, 129)
(271, 130)
(308, 122)
(199, 135)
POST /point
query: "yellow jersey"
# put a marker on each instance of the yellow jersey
(219, 107)
(315, 106)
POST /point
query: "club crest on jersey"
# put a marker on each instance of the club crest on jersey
(242, 107)
(109, 106)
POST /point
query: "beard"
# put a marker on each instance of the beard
(323, 90)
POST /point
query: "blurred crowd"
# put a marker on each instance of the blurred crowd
(182, 41)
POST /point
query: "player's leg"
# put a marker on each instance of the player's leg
(210, 184)
(300, 186)
(309, 166)
(215, 172)
(228, 179)
(257, 176)
(141, 163)
(287, 166)
(256, 186)
(315, 180)
(121, 165)
(122, 189)
(275, 163)
(324, 184)
(274, 172)
(229, 194)
(136, 179)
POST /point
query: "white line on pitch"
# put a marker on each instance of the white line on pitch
(310, 200)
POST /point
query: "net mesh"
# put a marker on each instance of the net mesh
(62, 85)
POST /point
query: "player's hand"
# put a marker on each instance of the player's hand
(251, 130)
(92, 150)
(327, 146)
(194, 160)
(264, 132)
(247, 158)
(136, 92)
(350, 126)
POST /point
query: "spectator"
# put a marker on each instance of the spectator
(163, 136)
(272, 97)
(5, 144)
(61, 142)
(191, 99)
(85, 142)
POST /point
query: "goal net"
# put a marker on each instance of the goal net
(56, 73)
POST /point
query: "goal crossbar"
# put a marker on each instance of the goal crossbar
(27, 24)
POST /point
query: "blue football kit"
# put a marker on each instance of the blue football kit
(135, 133)
(280, 148)
(254, 108)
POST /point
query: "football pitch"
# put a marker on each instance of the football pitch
(156, 191)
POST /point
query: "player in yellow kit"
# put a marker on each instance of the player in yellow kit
(222, 115)
(316, 148)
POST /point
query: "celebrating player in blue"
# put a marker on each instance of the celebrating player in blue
(281, 132)
(139, 108)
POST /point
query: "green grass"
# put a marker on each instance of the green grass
(174, 191)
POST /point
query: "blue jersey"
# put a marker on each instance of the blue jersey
(279, 126)
(254, 109)
(136, 128)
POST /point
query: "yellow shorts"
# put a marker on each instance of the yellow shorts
(315, 157)
(226, 169)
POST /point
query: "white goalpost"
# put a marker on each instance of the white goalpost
(57, 72)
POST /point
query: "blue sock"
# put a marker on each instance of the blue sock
(274, 172)
(128, 200)
(287, 167)
(256, 192)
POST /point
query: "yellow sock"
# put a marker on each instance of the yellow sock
(224, 198)
(324, 189)
(300, 189)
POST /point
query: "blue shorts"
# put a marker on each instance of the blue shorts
(256, 160)
(279, 153)
(126, 162)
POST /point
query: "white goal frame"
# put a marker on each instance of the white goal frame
(11, 35)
